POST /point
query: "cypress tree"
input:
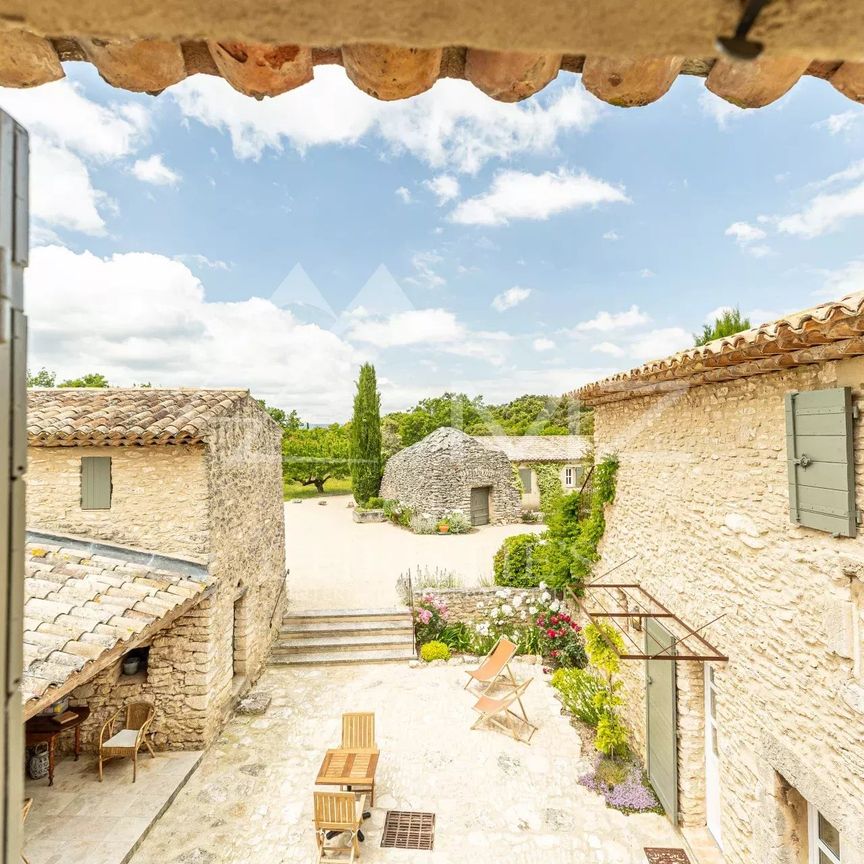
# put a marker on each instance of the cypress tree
(366, 437)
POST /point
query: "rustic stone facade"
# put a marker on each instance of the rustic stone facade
(219, 501)
(702, 498)
(472, 605)
(436, 475)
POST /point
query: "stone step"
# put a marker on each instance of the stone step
(334, 658)
(321, 616)
(342, 643)
(316, 629)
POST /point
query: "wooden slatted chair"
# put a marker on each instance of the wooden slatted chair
(128, 740)
(489, 709)
(358, 733)
(495, 665)
(335, 814)
(25, 812)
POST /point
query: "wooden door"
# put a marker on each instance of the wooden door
(662, 719)
(480, 505)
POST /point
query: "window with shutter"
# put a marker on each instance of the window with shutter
(96, 483)
(525, 477)
(820, 460)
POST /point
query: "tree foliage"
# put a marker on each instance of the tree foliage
(365, 454)
(311, 457)
(289, 421)
(727, 324)
(91, 379)
(42, 378)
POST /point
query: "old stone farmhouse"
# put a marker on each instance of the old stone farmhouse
(449, 470)
(546, 463)
(155, 526)
(740, 489)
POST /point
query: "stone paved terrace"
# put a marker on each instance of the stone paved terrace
(495, 799)
(79, 819)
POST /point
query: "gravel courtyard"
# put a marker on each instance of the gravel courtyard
(336, 563)
(494, 798)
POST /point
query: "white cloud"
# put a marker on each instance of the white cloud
(609, 348)
(510, 298)
(824, 213)
(719, 110)
(154, 170)
(198, 260)
(842, 122)
(520, 195)
(61, 192)
(747, 237)
(452, 125)
(854, 172)
(141, 316)
(404, 194)
(659, 343)
(610, 235)
(425, 274)
(714, 314)
(845, 280)
(608, 322)
(543, 344)
(646, 273)
(445, 187)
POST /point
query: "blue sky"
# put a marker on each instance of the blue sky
(203, 238)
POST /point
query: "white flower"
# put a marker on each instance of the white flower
(517, 601)
(554, 605)
(543, 586)
(501, 595)
(532, 610)
(495, 613)
(545, 597)
(507, 592)
(507, 609)
(522, 615)
(483, 630)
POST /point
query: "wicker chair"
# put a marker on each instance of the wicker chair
(128, 740)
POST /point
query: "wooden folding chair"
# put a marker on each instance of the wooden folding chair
(25, 812)
(488, 708)
(338, 813)
(494, 666)
(358, 731)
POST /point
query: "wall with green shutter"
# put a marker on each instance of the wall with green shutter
(820, 460)
(95, 482)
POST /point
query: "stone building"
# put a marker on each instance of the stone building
(449, 470)
(740, 486)
(178, 484)
(543, 459)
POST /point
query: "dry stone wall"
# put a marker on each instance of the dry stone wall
(437, 474)
(472, 605)
(158, 500)
(702, 498)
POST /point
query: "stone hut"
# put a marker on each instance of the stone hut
(562, 459)
(181, 484)
(449, 470)
(740, 488)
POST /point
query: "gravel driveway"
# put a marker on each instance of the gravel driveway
(336, 563)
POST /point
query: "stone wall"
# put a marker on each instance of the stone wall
(436, 475)
(702, 498)
(472, 605)
(158, 500)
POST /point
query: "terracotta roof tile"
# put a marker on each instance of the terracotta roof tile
(78, 614)
(830, 331)
(66, 416)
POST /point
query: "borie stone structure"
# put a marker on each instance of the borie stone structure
(721, 482)
(190, 479)
(449, 470)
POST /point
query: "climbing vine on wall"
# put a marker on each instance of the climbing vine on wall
(548, 482)
(591, 528)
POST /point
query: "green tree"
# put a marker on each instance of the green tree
(311, 457)
(91, 379)
(727, 324)
(289, 421)
(43, 378)
(366, 464)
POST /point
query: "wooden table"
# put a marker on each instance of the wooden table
(349, 767)
(44, 730)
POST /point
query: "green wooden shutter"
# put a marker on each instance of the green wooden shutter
(95, 482)
(820, 459)
(525, 477)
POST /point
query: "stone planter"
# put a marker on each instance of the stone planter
(368, 515)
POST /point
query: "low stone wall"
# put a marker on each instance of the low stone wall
(472, 605)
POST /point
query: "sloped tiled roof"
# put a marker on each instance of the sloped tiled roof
(538, 448)
(830, 331)
(67, 416)
(84, 609)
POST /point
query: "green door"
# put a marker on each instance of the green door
(661, 720)
(480, 505)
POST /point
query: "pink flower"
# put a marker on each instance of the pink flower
(424, 615)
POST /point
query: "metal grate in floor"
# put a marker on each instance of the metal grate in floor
(404, 829)
(666, 856)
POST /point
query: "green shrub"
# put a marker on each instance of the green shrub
(458, 637)
(457, 522)
(579, 689)
(365, 450)
(592, 527)
(513, 562)
(611, 739)
(423, 523)
(397, 512)
(434, 651)
(374, 504)
(603, 644)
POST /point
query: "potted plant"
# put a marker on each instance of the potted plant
(443, 526)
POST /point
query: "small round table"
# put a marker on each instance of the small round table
(44, 730)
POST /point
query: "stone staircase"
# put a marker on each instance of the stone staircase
(330, 636)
